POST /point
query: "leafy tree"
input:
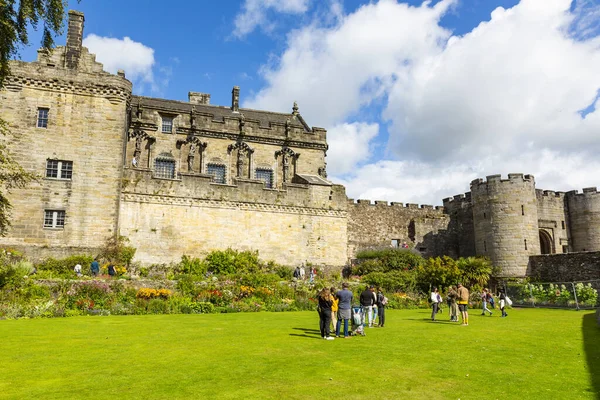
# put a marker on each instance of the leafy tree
(475, 270)
(16, 16)
(439, 271)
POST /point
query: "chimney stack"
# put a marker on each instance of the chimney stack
(199, 98)
(74, 39)
(235, 99)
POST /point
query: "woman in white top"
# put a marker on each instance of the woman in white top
(435, 302)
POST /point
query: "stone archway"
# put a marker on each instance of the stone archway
(546, 243)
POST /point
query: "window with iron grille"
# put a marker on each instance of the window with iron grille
(217, 171)
(42, 117)
(59, 169)
(265, 175)
(164, 168)
(167, 124)
(54, 218)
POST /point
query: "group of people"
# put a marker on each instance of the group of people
(95, 269)
(335, 308)
(458, 302)
(300, 273)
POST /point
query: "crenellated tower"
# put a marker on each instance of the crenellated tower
(584, 215)
(506, 221)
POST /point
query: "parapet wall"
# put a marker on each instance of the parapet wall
(461, 227)
(382, 225)
(506, 221)
(584, 213)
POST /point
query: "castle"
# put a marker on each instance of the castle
(189, 177)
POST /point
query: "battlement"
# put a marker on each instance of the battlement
(457, 200)
(383, 203)
(497, 179)
(549, 193)
(586, 192)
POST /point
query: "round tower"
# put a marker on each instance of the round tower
(584, 219)
(506, 221)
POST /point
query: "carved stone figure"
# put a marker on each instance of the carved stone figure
(137, 152)
(286, 167)
(191, 156)
(240, 164)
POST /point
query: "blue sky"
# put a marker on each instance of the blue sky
(418, 98)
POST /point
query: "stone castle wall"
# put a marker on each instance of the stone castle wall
(86, 126)
(461, 228)
(553, 219)
(571, 267)
(165, 219)
(376, 225)
(584, 212)
(505, 219)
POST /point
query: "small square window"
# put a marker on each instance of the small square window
(167, 125)
(42, 117)
(164, 169)
(265, 175)
(54, 219)
(59, 169)
(217, 171)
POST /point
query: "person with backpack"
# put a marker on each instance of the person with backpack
(367, 299)
(452, 295)
(381, 303)
(436, 299)
(484, 297)
(490, 300)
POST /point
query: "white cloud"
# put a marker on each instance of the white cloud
(349, 146)
(505, 97)
(135, 58)
(255, 13)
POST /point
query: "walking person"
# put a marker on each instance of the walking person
(484, 300)
(502, 298)
(334, 308)
(345, 298)
(325, 304)
(381, 303)
(95, 267)
(436, 299)
(463, 303)
(366, 301)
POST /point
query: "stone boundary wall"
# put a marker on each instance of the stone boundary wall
(569, 267)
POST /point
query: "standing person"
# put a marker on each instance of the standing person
(77, 269)
(366, 301)
(334, 308)
(95, 267)
(302, 272)
(452, 295)
(436, 299)
(345, 298)
(490, 300)
(325, 304)
(381, 303)
(484, 300)
(503, 302)
(463, 303)
(297, 273)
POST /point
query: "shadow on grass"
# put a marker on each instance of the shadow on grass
(591, 344)
(307, 336)
(308, 330)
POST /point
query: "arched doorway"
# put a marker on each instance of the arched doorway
(546, 246)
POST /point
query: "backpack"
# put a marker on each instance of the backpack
(384, 301)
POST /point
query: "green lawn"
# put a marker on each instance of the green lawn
(532, 354)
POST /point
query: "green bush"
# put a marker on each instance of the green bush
(393, 281)
(392, 259)
(259, 279)
(226, 262)
(192, 266)
(64, 267)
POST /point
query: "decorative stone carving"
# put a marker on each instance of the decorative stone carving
(243, 152)
(196, 145)
(287, 128)
(140, 136)
(193, 117)
(295, 109)
(288, 159)
(323, 171)
(242, 123)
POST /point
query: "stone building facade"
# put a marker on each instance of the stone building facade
(188, 177)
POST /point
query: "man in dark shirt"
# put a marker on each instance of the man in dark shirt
(95, 267)
(345, 298)
(367, 299)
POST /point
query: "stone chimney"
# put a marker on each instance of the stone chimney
(74, 39)
(199, 98)
(235, 99)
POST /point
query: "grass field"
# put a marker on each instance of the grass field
(532, 354)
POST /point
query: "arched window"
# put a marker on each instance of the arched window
(546, 246)
(164, 166)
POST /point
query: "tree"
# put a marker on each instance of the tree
(16, 16)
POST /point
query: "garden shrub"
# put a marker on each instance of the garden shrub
(157, 306)
(392, 259)
(392, 281)
(64, 267)
(192, 266)
(117, 251)
(226, 262)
